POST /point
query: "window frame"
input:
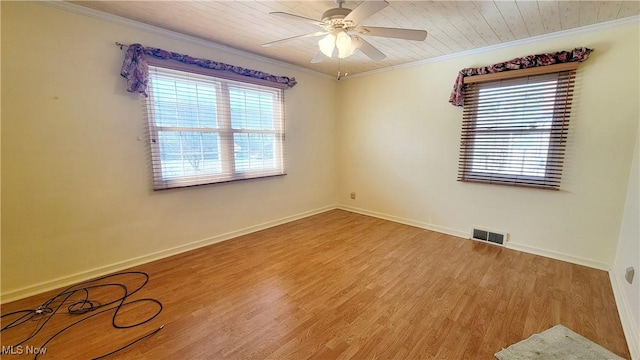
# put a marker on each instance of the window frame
(557, 131)
(225, 128)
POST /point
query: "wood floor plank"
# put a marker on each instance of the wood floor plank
(339, 285)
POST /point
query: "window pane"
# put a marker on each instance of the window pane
(254, 151)
(183, 103)
(253, 110)
(517, 107)
(189, 154)
(518, 154)
(512, 129)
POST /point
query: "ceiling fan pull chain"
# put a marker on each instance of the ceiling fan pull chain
(346, 71)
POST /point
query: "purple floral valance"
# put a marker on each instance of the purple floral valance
(577, 54)
(136, 70)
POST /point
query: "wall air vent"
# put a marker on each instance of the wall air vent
(495, 237)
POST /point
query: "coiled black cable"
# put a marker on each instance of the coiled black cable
(85, 306)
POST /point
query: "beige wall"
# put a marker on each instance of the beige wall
(76, 182)
(398, 143)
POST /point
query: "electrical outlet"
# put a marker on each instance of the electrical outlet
(628, 274)
(353, 195)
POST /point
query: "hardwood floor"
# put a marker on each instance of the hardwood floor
(339, 286)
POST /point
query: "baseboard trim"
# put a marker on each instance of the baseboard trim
(104, 270)
(465, 235)
(410, 222)
(631, 332)
(558, 256)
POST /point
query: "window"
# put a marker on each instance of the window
(205, 129)
(515, 128)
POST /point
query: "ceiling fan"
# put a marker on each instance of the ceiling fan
(342, 29)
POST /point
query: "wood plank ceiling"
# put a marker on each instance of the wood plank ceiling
(453, 26)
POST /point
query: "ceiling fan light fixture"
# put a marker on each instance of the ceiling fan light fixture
(344, 45)
(327, 44)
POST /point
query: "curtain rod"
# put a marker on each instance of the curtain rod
(121, 45)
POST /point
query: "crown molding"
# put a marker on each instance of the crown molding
(118, 20)
(578, 30)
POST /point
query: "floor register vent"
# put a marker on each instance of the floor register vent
(489, 236)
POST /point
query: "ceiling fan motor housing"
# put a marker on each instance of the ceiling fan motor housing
(334, 18)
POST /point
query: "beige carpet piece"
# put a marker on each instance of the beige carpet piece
(556, 343)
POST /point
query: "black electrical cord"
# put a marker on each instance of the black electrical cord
(85, 306)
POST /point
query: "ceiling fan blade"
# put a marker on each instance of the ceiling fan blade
(364, 10)
(368, 49)
(318, 57)
(407, 34)
(296, 17)
(319, 33)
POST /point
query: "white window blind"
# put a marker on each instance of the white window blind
(514, 130)
(207, 130)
